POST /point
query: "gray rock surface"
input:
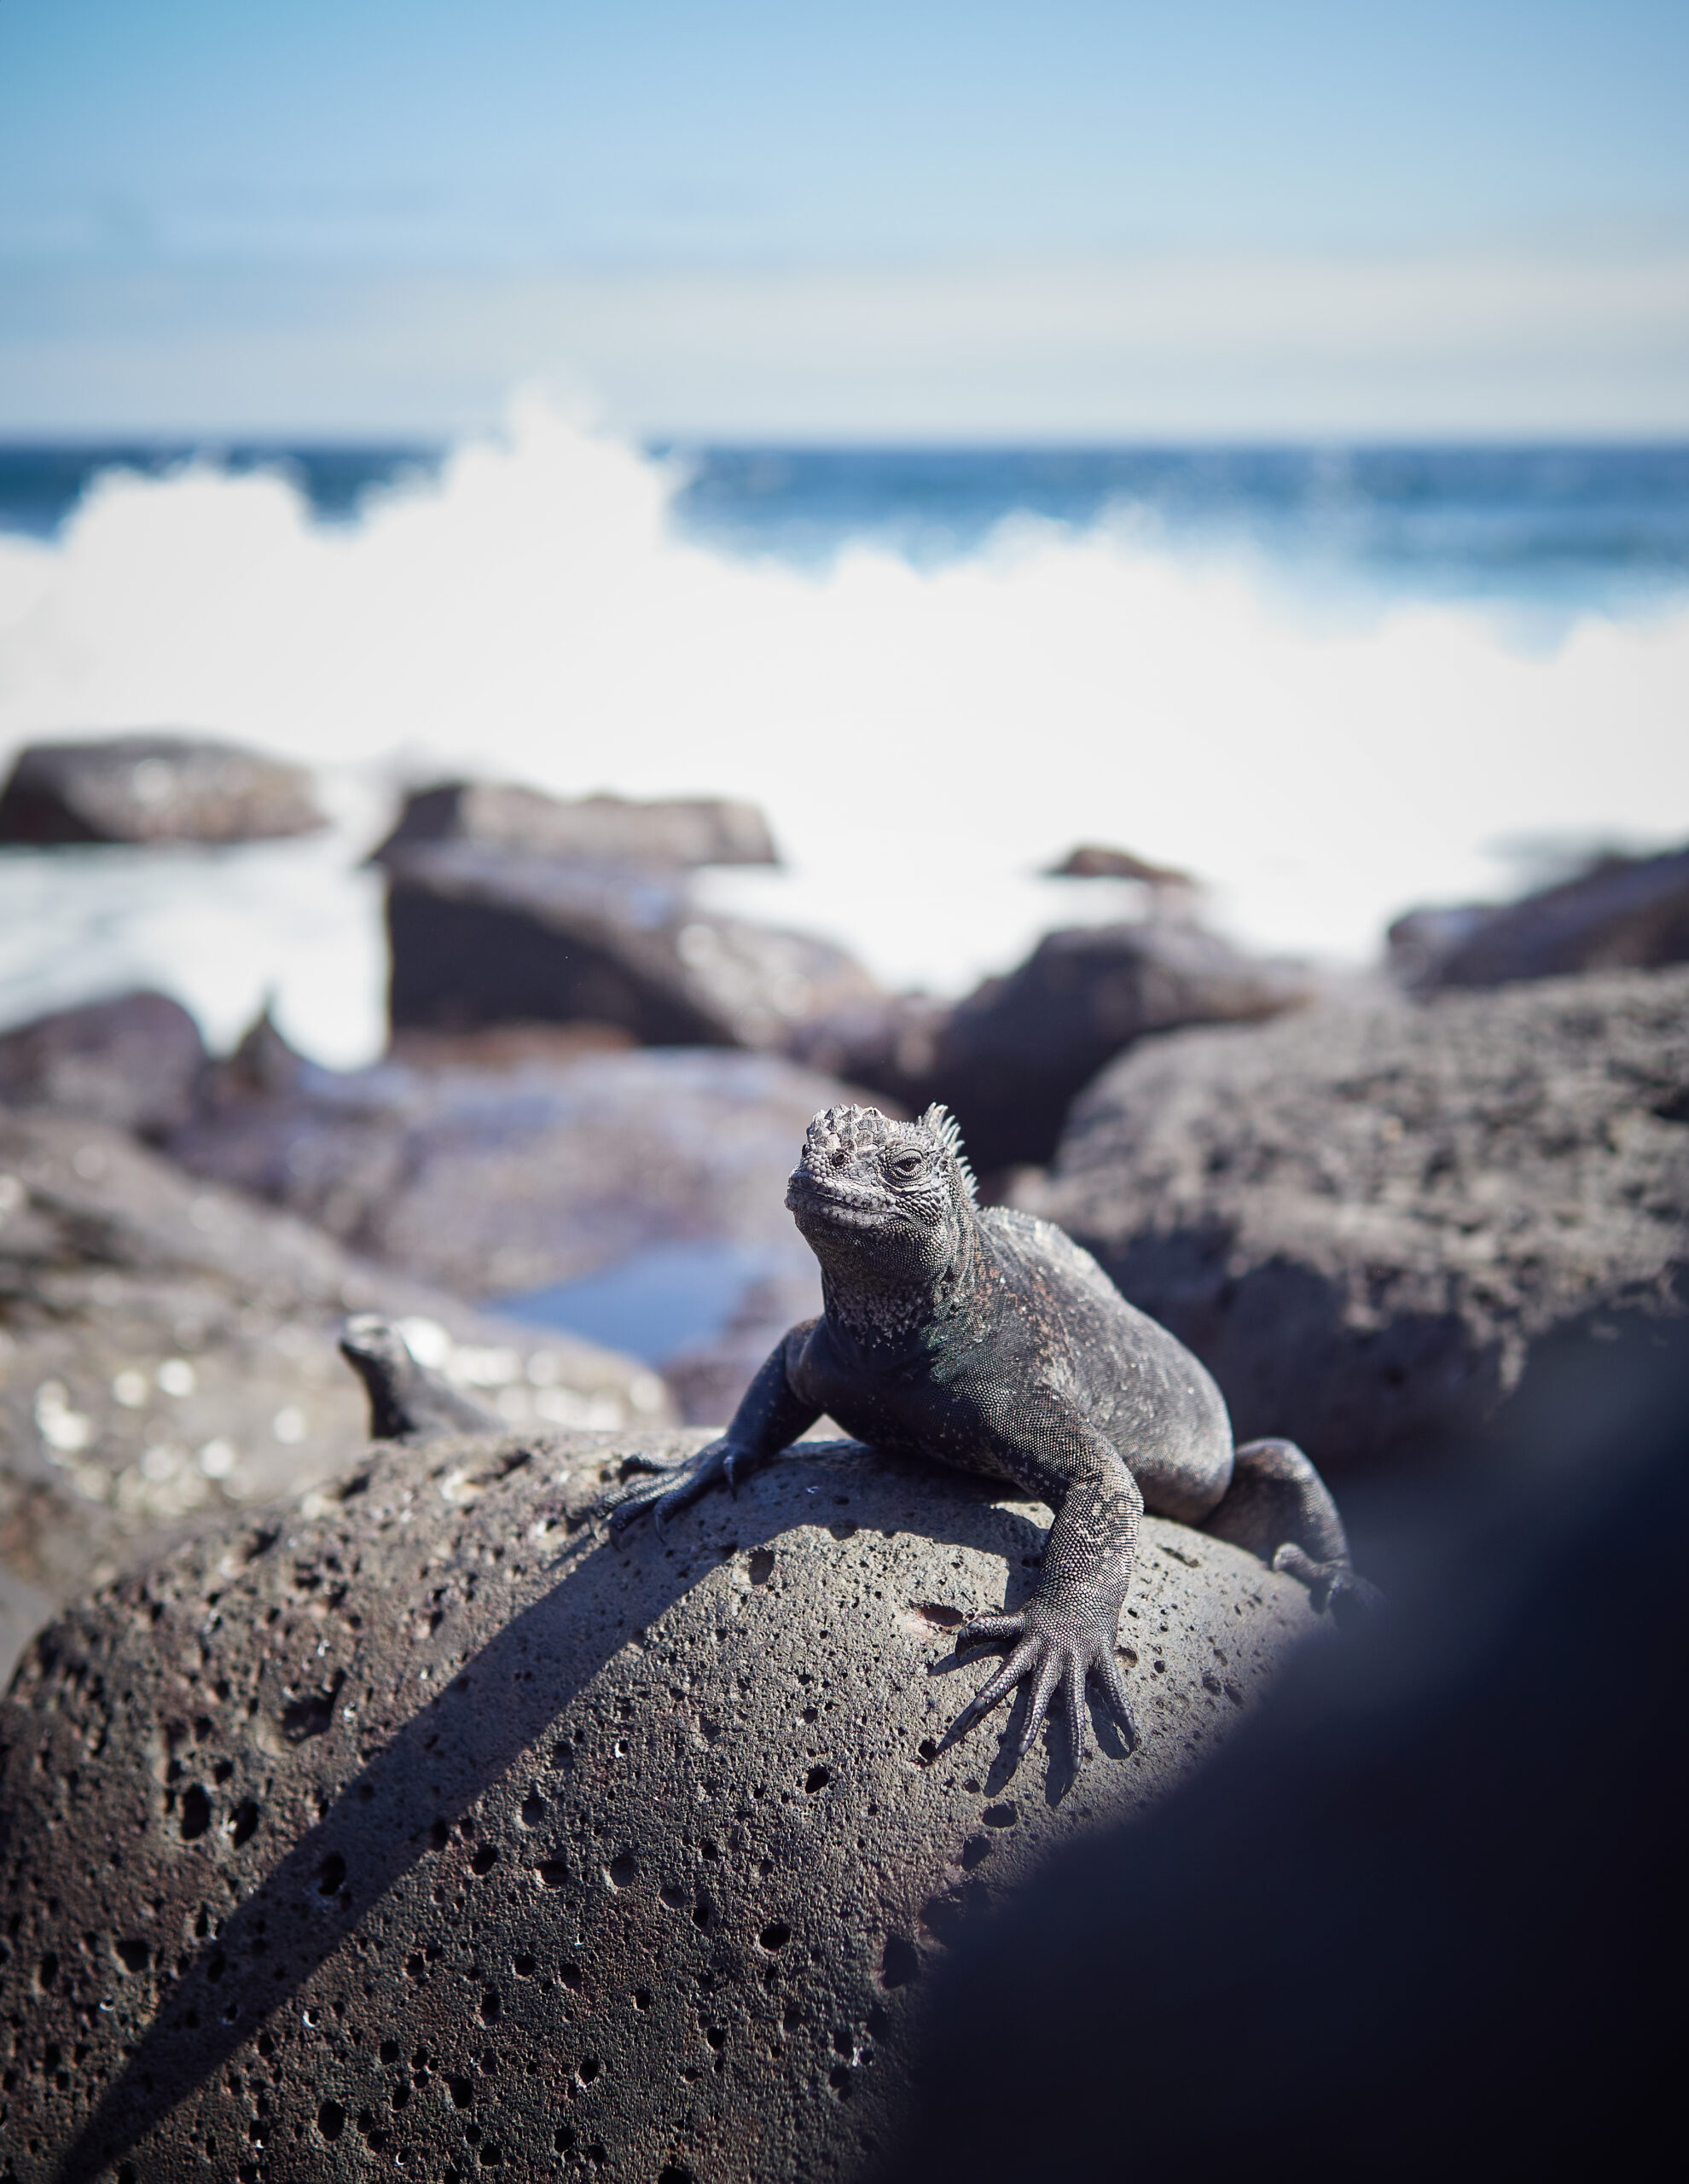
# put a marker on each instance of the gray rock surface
(1626, 913)
(135, 1062)
(482, 935)
(420, 1824)
(153, 787)
(1363, 1220)
(167, 1356)
(502, 1182)
(1009, 1059)
(598, 829)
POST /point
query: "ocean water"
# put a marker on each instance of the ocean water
(1330, 682)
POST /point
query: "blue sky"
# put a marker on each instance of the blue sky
(918, 220)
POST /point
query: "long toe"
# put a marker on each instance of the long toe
(1112, 1679)
(1043, 1690)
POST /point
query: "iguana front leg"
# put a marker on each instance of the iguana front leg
(771, 1415)
(1067, 1629)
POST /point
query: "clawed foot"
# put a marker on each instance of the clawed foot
(1330, 1585)
(1056, 1648)
(675, 1487)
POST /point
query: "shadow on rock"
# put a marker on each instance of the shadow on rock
(1428, 1910)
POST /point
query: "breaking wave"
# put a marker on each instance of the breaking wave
(924, 739)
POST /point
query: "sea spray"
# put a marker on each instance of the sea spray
(924, 739)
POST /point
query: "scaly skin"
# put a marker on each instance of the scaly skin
(988, 1340)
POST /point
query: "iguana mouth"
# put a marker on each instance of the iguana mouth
(846, 1204)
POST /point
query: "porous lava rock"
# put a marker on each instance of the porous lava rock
(136, 1061)
(153, 787)
(168, 1356)
(484, 935)
(1363, 1220)
(422, 1824)
(680, 832)
(1625, 914)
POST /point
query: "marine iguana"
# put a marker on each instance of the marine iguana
(986, 1339)
(408, 1401)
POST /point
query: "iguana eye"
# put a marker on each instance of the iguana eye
(904, 1165)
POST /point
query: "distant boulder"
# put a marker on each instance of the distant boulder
(1096, 861)
(1365, 1220)
(135, 1062)
(677, 832)
(481, 935)
(153, 788)
(1625, 914)
(1014, 1054)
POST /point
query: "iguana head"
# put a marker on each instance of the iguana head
(881, 1197)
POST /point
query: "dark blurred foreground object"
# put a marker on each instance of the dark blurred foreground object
(1364, 1220)
(1009, 1060)
(594, 830)
(153, 787)
(1426, 1917)
(1623, 914)
(484, 935)
(135, 1062)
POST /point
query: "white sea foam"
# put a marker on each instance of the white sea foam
(923, 741)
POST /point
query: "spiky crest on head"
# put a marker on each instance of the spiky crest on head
(943, 1126)
(847, 1130)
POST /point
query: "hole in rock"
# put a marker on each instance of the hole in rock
(589, 2070)
(622, 1868)
(312, 1712)
(816, 1779)
(242, 1822)
(935, 1611)
(462, 2091)
(553, 1873)
(900, 1965)
(1001, 1815)
(331, 2119)
(331, 1874)
(133, 1954)
(702, 1912)
(196, 1812)
(776, 1935)
(490, 2007)
(761, 1564)
(390, 2051)
(569, 1974)
(974, 1852)
(533, 1809)
(674, 2174)
(716, 2035)
(523, 1966)
(484, 1859)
